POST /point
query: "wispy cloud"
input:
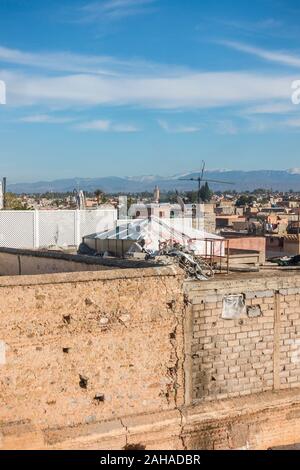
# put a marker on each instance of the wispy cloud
(219, 126)
(295, 123)
(94, 81)
(113, 10)
(264, 26)
(70, 62)
(263, 124)
(198, 90)
(45, 119)
(106, 126)
(271, 108)
(64, 61)
(226, 127)
(279, 57)
(178, 129)
(2, 92)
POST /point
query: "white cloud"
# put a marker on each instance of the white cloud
(178, 129)
(65, 61)
(271, 108)
(259, 124)
(282, 58)
(99, 80)
(198, 90)
(105, 126)
(293, 123)
(267, 26)
(125, 128)
(45, 118)
(68, 62)
(113, 10)
(2, 92)
(226, 127)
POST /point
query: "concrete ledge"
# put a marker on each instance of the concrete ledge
(254, 422)
(233, 407)
(74, 277)
(157, 430)
(76, 258)
(244, 282)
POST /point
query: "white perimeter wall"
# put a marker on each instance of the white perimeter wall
(38, 229)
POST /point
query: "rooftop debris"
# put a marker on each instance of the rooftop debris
(194, 266)
(287, 261)
(157, 239)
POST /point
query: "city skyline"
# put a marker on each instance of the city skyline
(131, 87)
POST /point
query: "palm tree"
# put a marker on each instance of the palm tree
(99, 195)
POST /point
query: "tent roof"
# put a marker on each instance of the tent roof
(155, 227)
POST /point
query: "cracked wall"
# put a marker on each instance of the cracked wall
(88, 347)
(126, 358)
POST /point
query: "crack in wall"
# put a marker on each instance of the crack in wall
(179, 363)
(126, 432)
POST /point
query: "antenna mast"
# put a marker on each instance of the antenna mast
(200, 180)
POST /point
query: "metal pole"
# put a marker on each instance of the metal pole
(4, 192)
(227, 256)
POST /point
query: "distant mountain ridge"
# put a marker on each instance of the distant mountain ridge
(281, 180)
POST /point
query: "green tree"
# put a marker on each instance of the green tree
(191, 196)
(244, 200)
(205, 193)
(99, 195)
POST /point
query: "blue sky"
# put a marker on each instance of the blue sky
(131, 87)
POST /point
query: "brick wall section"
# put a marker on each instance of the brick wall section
(290, 338)
(210, 222)
(119, 330)
(232, 358)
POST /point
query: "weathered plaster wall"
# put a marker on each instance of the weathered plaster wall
(87, 347)
(102, 360)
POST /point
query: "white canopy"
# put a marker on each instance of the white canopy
(153, 232)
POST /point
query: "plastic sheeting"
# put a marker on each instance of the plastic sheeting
(153, 233)
(233, 306)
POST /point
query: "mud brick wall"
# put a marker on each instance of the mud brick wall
(87, 347)
(256, 352)
(289, 334)
(254, 422)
